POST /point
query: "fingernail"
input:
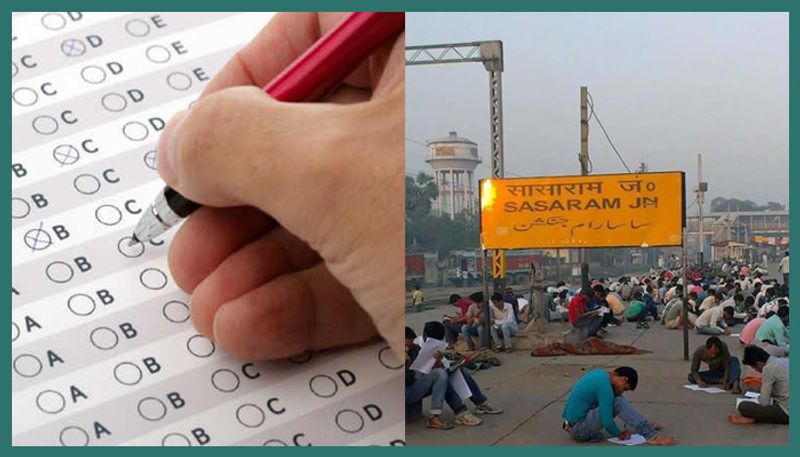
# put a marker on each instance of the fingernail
(168, 148)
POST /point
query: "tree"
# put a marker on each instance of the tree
(433, 232)
(721, 204)
(420, 192)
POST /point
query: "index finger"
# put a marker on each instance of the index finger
(277, 45)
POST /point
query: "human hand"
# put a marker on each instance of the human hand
(300, 243)
(702, 383)
(624, 435)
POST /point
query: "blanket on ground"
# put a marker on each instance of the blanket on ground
(590, 346)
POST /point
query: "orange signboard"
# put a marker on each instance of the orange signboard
(619, 210)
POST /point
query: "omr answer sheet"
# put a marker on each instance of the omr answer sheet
(103, 350)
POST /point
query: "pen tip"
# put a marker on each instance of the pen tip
(133, 241)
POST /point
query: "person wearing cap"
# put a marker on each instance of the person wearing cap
(597, 398)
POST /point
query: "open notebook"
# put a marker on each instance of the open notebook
(103, 349)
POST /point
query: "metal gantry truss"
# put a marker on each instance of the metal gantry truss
(490, 53)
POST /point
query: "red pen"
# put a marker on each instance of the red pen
(310, 77)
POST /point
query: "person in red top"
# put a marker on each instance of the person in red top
(453, 324)
(586, 323)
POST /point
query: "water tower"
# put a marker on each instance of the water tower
(454, 160)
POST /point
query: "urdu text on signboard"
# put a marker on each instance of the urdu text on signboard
(619, 210)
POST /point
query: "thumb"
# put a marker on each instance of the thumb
(238, 146)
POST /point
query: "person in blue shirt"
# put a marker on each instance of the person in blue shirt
(596, 399)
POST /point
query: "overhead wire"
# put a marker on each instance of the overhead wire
(593, 114)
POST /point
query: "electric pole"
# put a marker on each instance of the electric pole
(584, 159)
(702, 187)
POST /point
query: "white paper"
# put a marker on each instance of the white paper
(751, 398)
(710, 390)
(425, 359)
(734, 335)
(91, 93)
(634, 440)
(458, 383)
(751, 394)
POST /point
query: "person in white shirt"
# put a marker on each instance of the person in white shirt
(672, 293)
(747, 286)
(710, 302)
(784, 268)
(504, 322)
(712, 321)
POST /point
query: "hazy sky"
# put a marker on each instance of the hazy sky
(666, 86)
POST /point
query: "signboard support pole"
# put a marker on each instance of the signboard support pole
(486, 323)
(685, 312)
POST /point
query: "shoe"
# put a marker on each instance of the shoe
(438, 423)
(487, 408)
(509, 349)
(466, 418)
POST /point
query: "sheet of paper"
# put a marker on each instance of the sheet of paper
(460, 384)
(634, 440)
(710, 390)
(734, 335)
(751, 397)
(425, 361)
(103, 349)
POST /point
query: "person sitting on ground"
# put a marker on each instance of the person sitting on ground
(711, 301)
(712, 321)
(596, 399)
(420, 385)
(509, 297)
(612, 300)
(560, 306)
(703, 294)
(672, 316)
(773, 335)
(662, 290)
(675, 291)
(739, 314)
(600, 301)
(772, 306)
(474, 322)
(435, 330)
(625, 288)
(773, 401)
(639, 309)
(504, 323)
(722, 367)
(453, 324)
(767, 294)
(749, 308)
(586, 322)
(748, 334)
